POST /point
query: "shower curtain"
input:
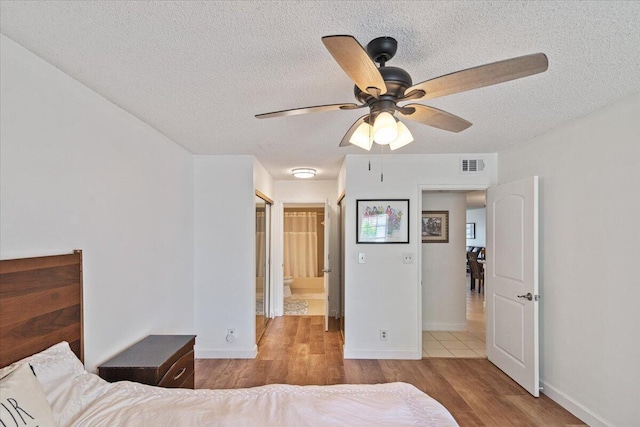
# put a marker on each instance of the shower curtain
(300, 244)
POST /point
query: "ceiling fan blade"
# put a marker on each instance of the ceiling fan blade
(345, 139)
(484, 75)
(355, 61)
(305, 110)
(436, 118)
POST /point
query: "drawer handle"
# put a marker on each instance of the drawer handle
(179, 374)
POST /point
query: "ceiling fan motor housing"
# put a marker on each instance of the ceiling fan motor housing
(396, 80)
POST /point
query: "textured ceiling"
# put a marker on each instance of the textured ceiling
(199, 71)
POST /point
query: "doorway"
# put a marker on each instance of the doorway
(476, 241)
(453, 318)
(304, 260)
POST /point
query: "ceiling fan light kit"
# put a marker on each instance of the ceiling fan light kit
(404, 137)
(385, 128)
(362, 136)
(381, 89)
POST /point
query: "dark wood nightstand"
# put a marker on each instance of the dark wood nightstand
(161, 360)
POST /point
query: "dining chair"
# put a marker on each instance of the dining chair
(477, 271)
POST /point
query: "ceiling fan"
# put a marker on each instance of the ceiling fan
(383, 88)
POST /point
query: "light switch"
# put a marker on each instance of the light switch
(362, 258)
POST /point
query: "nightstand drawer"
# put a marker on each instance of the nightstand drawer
(179, 373)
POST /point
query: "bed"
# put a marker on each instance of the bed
(41, 333)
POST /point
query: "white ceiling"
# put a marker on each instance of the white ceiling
(199, 71)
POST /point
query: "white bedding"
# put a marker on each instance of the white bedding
(78, 398)
(132, 404)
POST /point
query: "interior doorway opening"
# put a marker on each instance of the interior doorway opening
(453, 316)
(303, 260)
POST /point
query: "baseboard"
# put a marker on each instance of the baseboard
(227, 354)
(426, 326)
(382, 354)
(571, 405)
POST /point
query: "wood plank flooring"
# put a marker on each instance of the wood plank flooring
(297, 350)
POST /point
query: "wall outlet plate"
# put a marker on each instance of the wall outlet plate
(407, 258)
(362, 258)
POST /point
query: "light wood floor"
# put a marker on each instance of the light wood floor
(296, 350)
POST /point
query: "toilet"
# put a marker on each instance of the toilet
(288, 281)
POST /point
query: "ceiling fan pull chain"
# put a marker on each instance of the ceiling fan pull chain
(370, 143)
(382, 163)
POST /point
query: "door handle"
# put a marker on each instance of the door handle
(527, 296)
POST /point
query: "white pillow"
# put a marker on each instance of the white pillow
(22, 401)
(56, 369)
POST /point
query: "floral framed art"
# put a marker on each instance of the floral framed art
(382, 221)
(435, 226)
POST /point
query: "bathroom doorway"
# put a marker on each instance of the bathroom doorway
(304, 260)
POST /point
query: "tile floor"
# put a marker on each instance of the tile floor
(469, 343)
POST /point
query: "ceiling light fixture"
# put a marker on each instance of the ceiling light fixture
(404, 137)
(303, 172)
(385, 128)
(362, 136)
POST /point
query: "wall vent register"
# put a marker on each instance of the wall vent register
(471, 165)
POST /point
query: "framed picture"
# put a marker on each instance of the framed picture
(382, 221)
(435, 226)
(471, 230)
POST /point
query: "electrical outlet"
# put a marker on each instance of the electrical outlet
(384, 334)
(407, 258)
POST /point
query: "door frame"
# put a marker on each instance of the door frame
(434, 187)
(268, 280)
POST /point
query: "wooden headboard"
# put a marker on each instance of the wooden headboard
(40, 305)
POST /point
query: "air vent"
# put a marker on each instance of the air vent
(471, 165)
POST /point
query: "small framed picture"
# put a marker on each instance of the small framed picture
(471, 230)
(435, 226)
(382, 221)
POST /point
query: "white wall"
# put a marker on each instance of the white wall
(262, 181)
(224, 256)
(444, 301)
(77, 172)
(384, 293)
(305, 191)
(479, 217)
(589, 280)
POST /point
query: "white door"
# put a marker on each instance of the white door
(327, 267)
(511, 281)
